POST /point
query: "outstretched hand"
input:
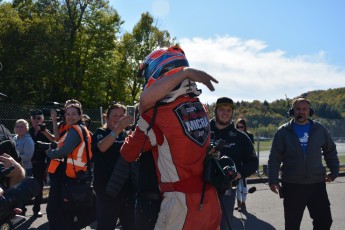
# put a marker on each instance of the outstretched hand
(200, 76)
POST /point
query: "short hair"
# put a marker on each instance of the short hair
(24, 122)
(300, 99)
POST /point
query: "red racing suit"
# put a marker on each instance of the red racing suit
(178, 139)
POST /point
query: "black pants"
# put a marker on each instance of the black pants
(312, 196)
(38, 171)
(109, 209)
(146, 210)
(58, 219)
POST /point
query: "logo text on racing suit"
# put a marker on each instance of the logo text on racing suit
(194, 121)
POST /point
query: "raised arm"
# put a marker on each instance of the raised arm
(163, 86)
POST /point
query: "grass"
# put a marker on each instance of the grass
(265, 145)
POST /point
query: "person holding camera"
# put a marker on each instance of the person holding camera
(67, 159)
(296, 154)
(106, 144)
(238, 147)
(40, 134)
(60, 128)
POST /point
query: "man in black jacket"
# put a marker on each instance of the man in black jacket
(238, 147)
(39, 133)
(299, 145)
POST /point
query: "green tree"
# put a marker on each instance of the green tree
(134, 47)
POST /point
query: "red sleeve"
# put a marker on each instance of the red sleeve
(134, 145)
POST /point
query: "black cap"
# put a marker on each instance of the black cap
(86, 117)
(225, 101)
(36, 112)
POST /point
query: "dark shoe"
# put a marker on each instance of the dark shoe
(38, 214)
(243, 207)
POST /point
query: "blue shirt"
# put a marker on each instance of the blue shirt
(302, 131)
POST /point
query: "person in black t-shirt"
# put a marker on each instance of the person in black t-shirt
(106, 144)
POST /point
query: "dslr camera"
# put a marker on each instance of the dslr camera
(40, 145)
(220, 172)
(56, 106)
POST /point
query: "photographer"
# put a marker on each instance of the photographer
(67, 159)
(238, 147)
(59, 129)
(39, 133)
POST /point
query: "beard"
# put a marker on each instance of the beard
(220, 122)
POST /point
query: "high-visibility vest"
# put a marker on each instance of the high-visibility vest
(77, 159)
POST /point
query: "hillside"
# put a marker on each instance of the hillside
(264, 118)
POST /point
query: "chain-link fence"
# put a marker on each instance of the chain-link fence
(9, 113)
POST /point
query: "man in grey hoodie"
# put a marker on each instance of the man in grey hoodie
(299, 145)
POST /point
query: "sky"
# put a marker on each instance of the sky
(257, 50)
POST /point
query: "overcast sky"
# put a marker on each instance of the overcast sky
(257, 50)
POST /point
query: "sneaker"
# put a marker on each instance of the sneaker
(238, 205)
(38, 214)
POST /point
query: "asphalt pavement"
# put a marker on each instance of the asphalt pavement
(265, 210)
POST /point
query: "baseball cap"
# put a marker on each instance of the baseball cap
(36, 112)
(86, 117)
(225, 101)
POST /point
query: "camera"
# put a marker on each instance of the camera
(40, 145)
(16, 197)
(131, 112)
(221, 173)
(42, 127)
(56, 106)
(229, 169)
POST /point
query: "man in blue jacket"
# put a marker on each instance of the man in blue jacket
(299, 146)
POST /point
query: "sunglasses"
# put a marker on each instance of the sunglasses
(240, 127)
(37, 118)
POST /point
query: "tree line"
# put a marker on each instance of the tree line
(264, 118)
(54, 50)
